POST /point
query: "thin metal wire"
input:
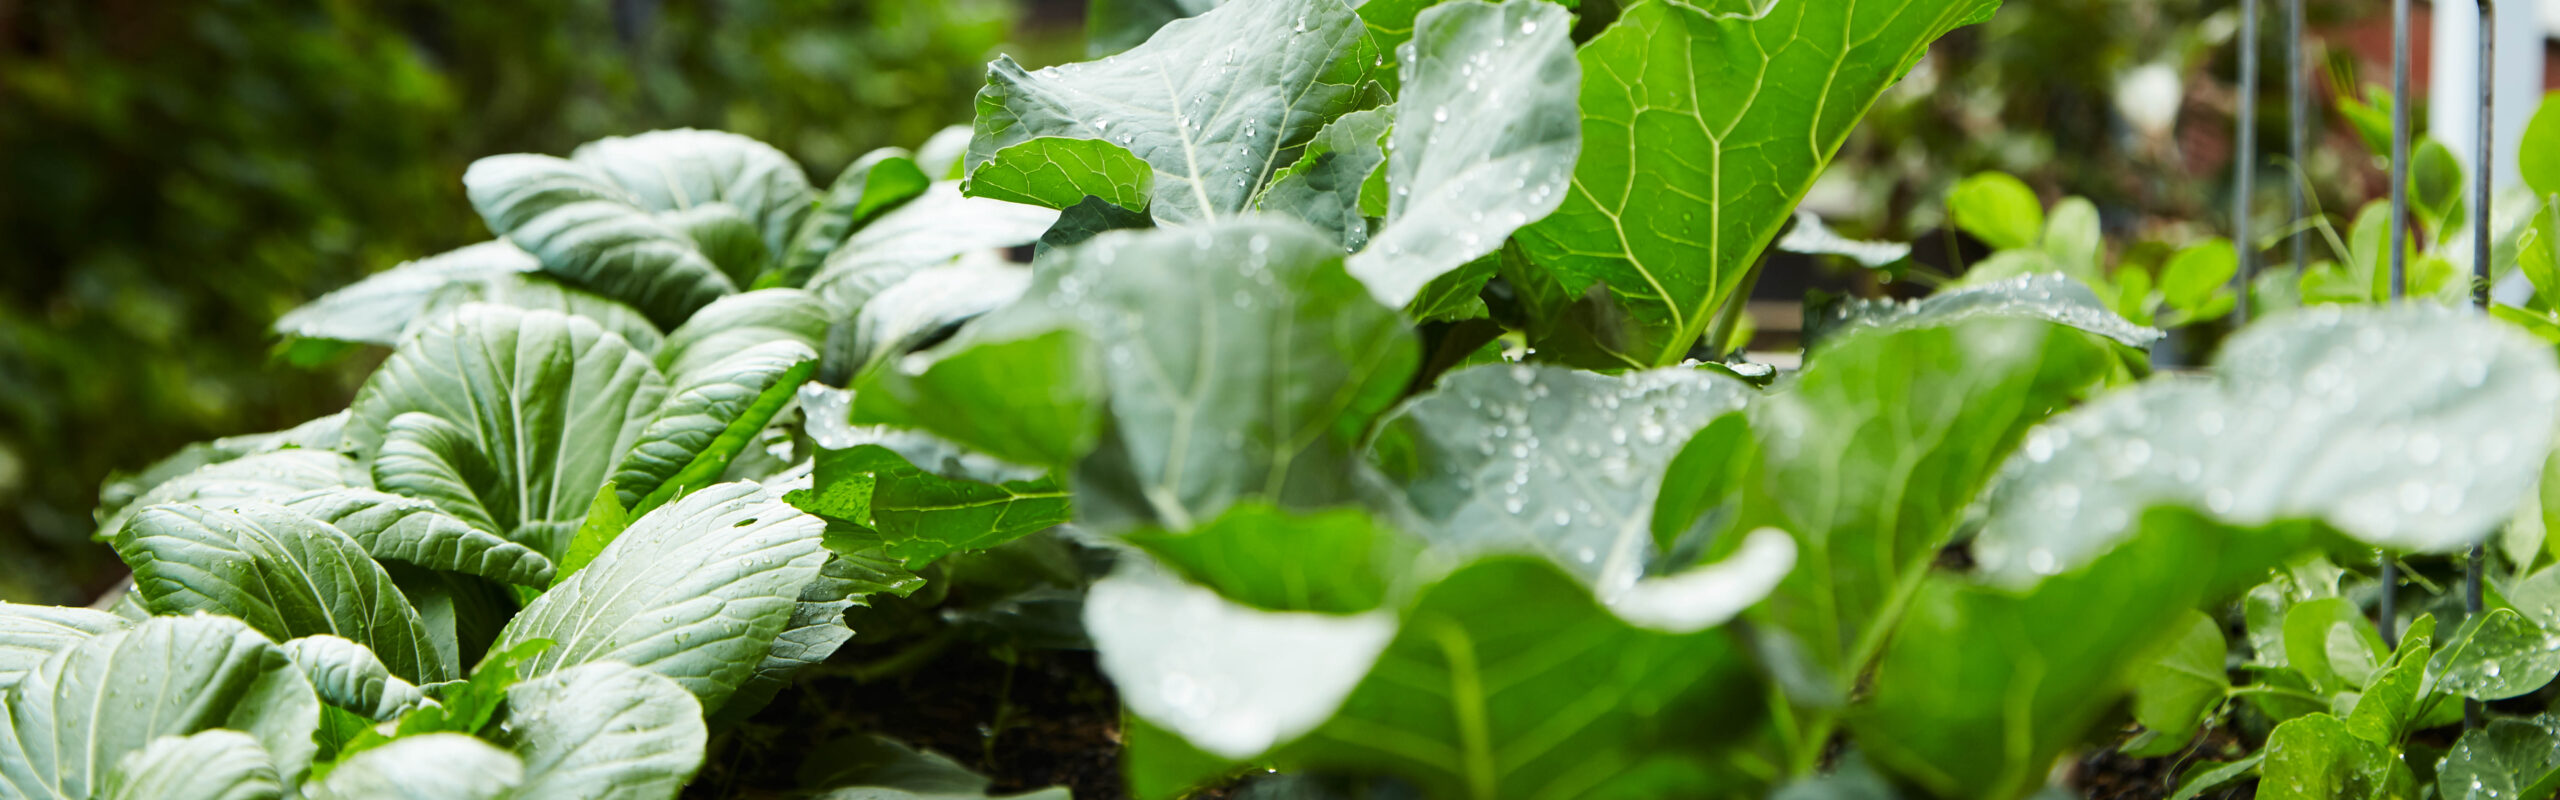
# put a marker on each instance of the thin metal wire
(2244, 164)
(2298, 100)
(2480, 173)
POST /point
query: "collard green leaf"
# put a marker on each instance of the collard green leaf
(733, 324)
(871, 185)
(1505, 679)
(2045, 297)
(2510, 758)
(1873, 453)
(1059, 172)
(1323, 186)
(922, 516)
(2405, 427)
(711, 415)
(935, 228)
(545, 403)
(268, 474)
(1983, 687)
(594, 234)
(2497, 656)
(695, 591)
(348, 676)
(1242, 362)
(436, 766)
(1026, 390)
(1215, 103)
(603, 731)
(1485, 145)
(76, 718)
(676, 170)
(398, 528)
(930, 305)
(1559, 462)
(1083, 221)
(207, 765)
(382, 307)
(2318, 758)
(1701, 131)
(286, 574)
(31, 634)
(1330, 562)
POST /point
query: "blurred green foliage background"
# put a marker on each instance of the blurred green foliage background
(174, 174)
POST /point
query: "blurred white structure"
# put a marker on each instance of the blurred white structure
(2453, 113)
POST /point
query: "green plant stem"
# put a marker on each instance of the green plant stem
(1731, 314)
(1871, 641)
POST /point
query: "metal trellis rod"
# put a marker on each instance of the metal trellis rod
(2485, 156)
(2298, 113)
(2244, 163)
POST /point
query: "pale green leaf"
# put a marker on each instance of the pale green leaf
(675, 170)
(2044, 297)
(603, 731)
(286, 574)
(710, 415)
(871, 185)
(268, 474)
(594, 234)
(935, 228)
(75, 719)
(31, 634)
(435, 766)
(1323, 186)
(206, 765)
(347, 675)
(399, 528)
(2505, 758)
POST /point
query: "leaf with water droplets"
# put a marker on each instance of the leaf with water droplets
(937, 228)
(2412, 427)
(2318, 757)
(271, 469)
(695, 591)
(1701, 131)
(31, 634)
(1215, 103)
(71, 721)
(922, 516)
(1559, 462)
(1486, 143)
(2044, 297)
(2505, 759)
(347, 675)
(436, 766)
(1058, 171)
(1323, 186)
(206, 765)
(603, 731)
(2497, 656)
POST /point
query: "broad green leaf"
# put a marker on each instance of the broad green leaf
(935, 228)
(2408, 427)
(398, 528)
(2071, 240)
(2539, 160)
(545, 403)
(1323, 186)
(206, 765)
(425, 457)
(1059, 172)
(122, 490)
(347, 675)
(1998, 209)
(270, 474)
(603, 731)
(462, 613)
(695, 591)
(2206, 775)
(1559, 462)
(31, 634)
(872, 184)
(817, 625)
(2046, 297)
(725, 236)
(1330, 562)
(922, 516)
(2435, 186)
(2318, 758)
(676, 170)
(594, 234)
(1242, 362)
(1983, 687)
(383, 306)
(2497, 656)
(605, 521)
(2199, 274)
(709, 417)
(286, 574)
(1083, 221)
(736, 323)
(2538, 252)
(1028, 391)
(436, 766)
(1215, 103)
(1114, 25)
(2329, 640)
(2395, 702)
(1486, 142)
(2505, 758)
(1872, 455)
(929, 306)
(70, 723)
(1505, 679)
(1701, 131)
(2184, 680)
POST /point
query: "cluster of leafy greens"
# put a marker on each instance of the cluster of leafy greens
(1359, 339)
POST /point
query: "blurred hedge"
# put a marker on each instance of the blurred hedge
(176, 173)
